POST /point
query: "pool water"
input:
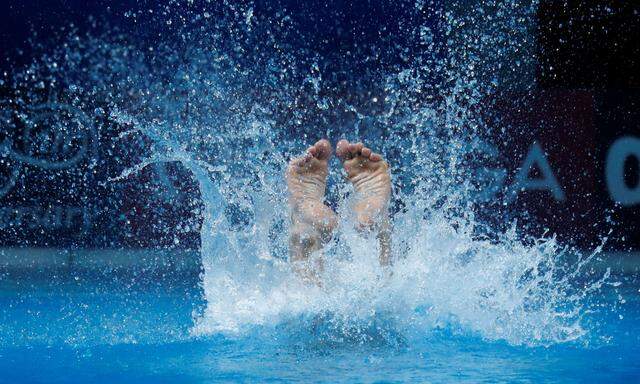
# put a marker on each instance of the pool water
(128, 329)
(227, 94)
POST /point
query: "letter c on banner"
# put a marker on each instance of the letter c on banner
(614, 171)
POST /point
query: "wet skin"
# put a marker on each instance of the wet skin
(313, 222)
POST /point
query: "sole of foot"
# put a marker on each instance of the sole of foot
(369, 174)
(306, 179)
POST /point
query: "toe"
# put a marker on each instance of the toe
(322, 150)
(307, 158)
(300, 162)
(342, 149)
(366, 152)
(354, 150)
(375, 157)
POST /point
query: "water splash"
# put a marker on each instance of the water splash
(232, 97)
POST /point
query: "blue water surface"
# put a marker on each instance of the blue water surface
(64, 329)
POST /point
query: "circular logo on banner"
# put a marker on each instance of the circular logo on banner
(49, 136)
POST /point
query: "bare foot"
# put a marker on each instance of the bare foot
(312, 222)
(369, 174)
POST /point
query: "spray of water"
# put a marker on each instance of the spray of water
(234, 93)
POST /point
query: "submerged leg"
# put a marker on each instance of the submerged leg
(369, 174)
(312, 222)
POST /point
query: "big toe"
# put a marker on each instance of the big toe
(322, 150)
(342, 149)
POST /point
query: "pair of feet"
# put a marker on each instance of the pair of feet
(312, 222)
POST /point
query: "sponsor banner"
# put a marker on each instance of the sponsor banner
(55, 164)
(548, 165)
